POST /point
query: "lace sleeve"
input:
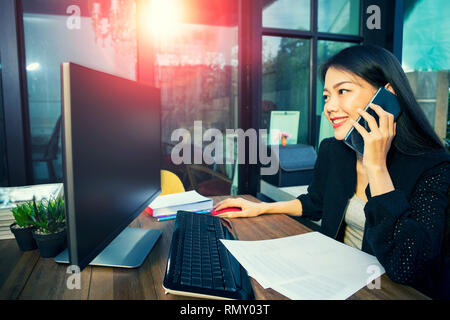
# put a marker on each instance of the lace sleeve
(406, 234)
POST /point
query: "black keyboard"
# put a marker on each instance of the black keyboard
(199, 264)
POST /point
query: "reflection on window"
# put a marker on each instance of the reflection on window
(195, 65)
(285, 85)
(98, 35)
(287, 14)
(339, 16)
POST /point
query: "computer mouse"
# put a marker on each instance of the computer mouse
(229, 209)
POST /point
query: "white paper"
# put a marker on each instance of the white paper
(177, 199)
(306, 266)
(188, 201)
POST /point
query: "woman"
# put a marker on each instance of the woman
(391, 201)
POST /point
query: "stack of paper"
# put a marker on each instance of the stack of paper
(310, 266)
(12, 196)
(168, 205)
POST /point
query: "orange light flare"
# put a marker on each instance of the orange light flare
(161, 18)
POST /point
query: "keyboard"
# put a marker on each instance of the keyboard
(199, 264)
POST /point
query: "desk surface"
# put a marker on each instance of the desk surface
(24, 275)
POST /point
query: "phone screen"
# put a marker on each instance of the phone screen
(385, 99)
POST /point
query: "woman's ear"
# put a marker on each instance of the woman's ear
(389, 87)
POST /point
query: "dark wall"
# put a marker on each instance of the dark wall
(389, 35)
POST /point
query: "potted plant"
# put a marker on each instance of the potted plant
(23, 226)
(50, 233)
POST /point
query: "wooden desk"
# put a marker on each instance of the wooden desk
(24, 275)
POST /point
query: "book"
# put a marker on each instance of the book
(13, 196)
(169, 204)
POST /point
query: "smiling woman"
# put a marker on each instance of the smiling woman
(391, 201)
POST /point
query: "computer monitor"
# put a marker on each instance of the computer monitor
(111, 146)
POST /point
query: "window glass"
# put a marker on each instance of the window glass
(3, 164)
(426, 60)
(286, 14)
(427, 47)
(196, 66)
(325, 50)
(99, 35)
(339, 16)
(285, 87)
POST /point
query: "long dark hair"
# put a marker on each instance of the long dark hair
(376, 65)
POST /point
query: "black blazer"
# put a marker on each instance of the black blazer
(404, 228)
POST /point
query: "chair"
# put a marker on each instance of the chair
(212, 183)
(202, 178)
(51, 151)
(170, 183)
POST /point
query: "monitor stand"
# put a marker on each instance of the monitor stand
(128, 250)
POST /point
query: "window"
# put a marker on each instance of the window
(426, 60)
(339, 16)
(285, 81)
(291, 58)
(194, 61)
(93, 35)
(297, 38)
(287, 14)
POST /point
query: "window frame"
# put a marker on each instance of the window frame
(15, 94)
(251, 31)
(314, 36)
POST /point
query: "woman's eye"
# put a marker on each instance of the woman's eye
(325, 97)
(341, 91)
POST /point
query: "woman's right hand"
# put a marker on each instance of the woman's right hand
(249, 208)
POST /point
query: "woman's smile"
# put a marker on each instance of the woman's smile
(344, 93)
(338, 121)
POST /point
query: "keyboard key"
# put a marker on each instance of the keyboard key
(185, 281)
(207, 283)
(196, 281)
(218, 284)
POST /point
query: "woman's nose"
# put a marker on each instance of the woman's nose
(331, 106)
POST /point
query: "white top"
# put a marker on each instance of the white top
(355, 219)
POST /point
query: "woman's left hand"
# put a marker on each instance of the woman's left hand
(378, 141)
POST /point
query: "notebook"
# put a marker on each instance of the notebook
(171, 203)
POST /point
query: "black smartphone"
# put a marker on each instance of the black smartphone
(385, 99)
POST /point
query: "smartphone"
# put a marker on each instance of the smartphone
(386, 100)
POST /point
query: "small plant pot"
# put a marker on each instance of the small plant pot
(24, 237)
(50, 244)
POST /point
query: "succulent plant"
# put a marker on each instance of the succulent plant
(22, 215)
(48, 216)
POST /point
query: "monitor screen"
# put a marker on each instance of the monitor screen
(111, 141)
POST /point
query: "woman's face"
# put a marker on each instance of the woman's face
(344, 92)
